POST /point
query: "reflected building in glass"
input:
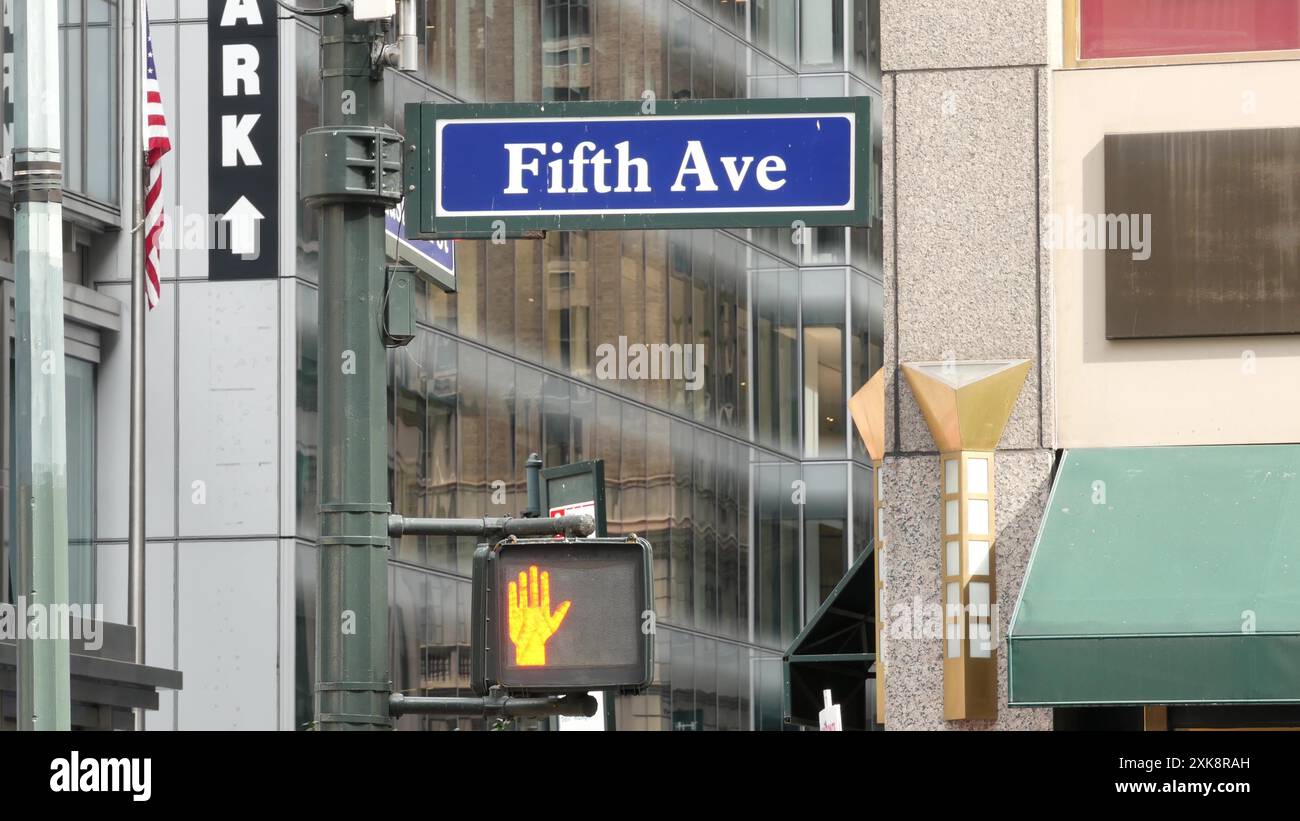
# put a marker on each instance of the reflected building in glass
(752, 485)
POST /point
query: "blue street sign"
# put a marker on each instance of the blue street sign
(437, 258)
(692, 163)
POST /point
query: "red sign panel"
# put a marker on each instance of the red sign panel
(1160, 28)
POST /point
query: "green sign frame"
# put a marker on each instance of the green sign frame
(421, 179)
(576, 483)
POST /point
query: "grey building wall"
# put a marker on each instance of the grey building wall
(966, 178)
(220, 373)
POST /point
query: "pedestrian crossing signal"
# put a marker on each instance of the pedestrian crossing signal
(562, 615)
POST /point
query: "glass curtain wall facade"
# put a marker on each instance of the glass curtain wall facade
(88, 46)
(750, 482)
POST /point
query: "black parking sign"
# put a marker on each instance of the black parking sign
(243, 139)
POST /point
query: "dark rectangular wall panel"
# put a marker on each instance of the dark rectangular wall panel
(1224, 244)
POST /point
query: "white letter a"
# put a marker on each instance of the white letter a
(695, 163)
(236, 9)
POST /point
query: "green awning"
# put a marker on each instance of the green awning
(1163, 576)
(835, 651)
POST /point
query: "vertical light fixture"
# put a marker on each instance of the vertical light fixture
(966, 406)
(867, 407)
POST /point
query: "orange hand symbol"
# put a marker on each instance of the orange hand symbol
(531, 620)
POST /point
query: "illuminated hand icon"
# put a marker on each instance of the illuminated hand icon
(531, 621)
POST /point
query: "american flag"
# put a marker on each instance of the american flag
(156, 144)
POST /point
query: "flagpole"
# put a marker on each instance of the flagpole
(136, 520)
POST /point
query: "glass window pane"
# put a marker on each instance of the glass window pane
(418, 667)
(101, 113)
(823, 360)
(862, 531)
(442, 388)
(821, 33)
(705, 533)
(728, 528)
(776, 365)
(728, 689)
(555, 415)
(685, 713)
(682, 539)
(408, 426)
(504, 475)
(471, 490)
(631, 507)
(774, 28)
(679, 51)
(706, 683)
(825, 531)
(73, 128)
(79, 392)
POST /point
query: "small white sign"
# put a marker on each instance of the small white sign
(373, 9)
(588, 508)
(589, 724)
(829, 717)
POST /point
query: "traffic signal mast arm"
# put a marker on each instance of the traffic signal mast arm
(494, 527)
(495, 705)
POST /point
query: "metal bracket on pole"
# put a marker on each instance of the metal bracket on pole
(497, 704)
(351, 164)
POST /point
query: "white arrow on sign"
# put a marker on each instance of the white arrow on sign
(243, 217)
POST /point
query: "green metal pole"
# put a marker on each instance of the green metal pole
(39, 437)
(351, 171)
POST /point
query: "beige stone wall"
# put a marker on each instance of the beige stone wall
(965, 150)
(1175, 391)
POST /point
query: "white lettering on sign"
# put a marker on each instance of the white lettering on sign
(575, 180)
(235, 144)
(587, 169)
(736, 177)
(515, 151)
(237, 10)
(765, 168)
(697, 164)
(625, 164)
(239, 65)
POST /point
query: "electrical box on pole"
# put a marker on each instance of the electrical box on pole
(559, 615)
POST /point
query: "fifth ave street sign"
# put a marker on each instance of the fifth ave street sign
(689, 164)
